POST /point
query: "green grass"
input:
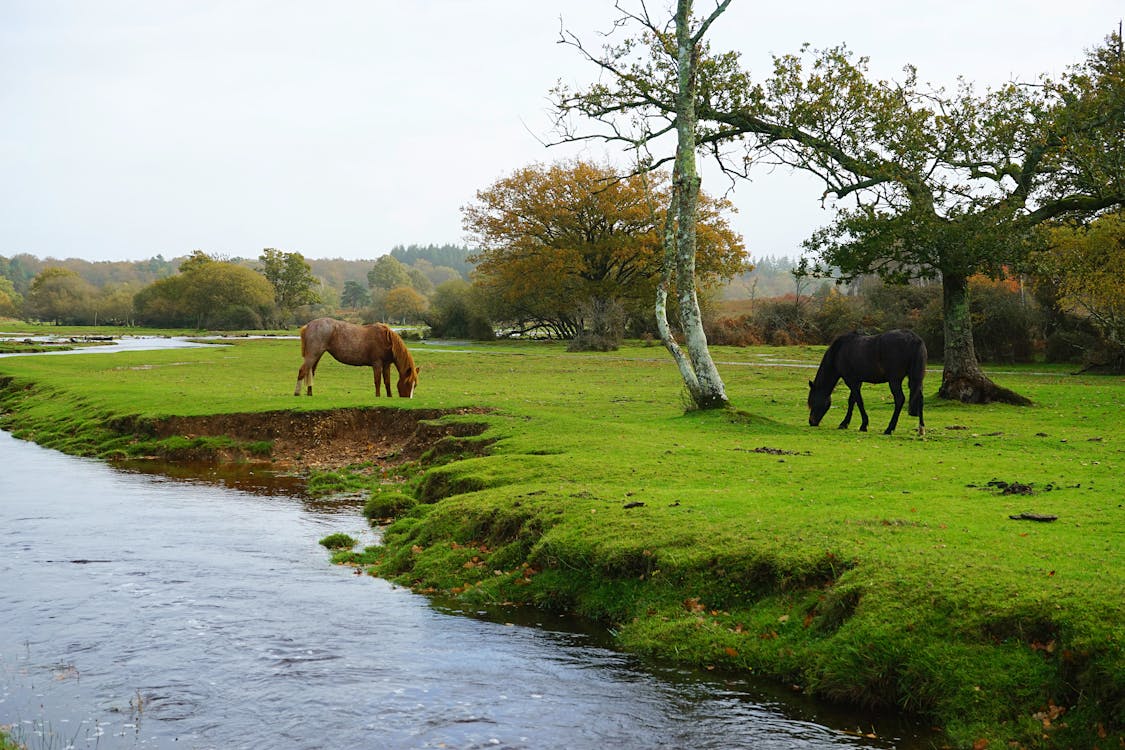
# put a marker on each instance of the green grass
(6, 741)
(874, 570)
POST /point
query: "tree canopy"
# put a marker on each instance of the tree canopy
(552, 237)
(940, 184)
(59, 295)
(1085, 264)
(207, 294)
(291, 277)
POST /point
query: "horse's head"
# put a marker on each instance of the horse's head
(819, 401)
(408, 381)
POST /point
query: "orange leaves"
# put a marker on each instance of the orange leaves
(1049, 714)
(549, 234)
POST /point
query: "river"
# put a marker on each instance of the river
(142, 611)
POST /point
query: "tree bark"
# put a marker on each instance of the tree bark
(961, 377)
(697, 369)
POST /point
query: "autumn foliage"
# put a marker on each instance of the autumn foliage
(554, 237)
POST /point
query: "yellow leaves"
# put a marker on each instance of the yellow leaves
(551, 233)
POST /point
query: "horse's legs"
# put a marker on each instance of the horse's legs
(382, 372)
(855, 398)
(900, 399)
(386, 379)
(915, 406)
(300, 377)
(306, 373)
(848, 416)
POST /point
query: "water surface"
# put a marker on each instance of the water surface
(142, 611)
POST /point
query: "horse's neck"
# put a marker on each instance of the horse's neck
(827, 376)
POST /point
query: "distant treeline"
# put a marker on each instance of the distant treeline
(771, 276)
(21, 269)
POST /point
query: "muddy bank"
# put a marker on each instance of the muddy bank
(311, 440)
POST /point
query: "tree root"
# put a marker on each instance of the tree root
(979, 390)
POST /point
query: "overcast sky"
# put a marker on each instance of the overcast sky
(345, 127)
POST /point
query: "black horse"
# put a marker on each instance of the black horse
(886, 358)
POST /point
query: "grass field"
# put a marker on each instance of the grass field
(875, 570)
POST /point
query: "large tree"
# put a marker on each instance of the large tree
(554, 237)
(388, 273)
(672, 65)
(207, 293)
(942, 185)
(291, 277)
(1084, 264)
(59, 295)
(10, 299)
(355, 295)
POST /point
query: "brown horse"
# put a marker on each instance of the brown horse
(375, 346)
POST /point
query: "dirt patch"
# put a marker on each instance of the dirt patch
(330, 439)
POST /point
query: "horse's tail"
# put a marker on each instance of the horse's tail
(304, 344)
(915, 376)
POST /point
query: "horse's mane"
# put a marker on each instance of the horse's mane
(827, 367)
(403, 359)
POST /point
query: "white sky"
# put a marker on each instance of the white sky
(344, 127)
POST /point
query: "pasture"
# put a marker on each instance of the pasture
(878, 570)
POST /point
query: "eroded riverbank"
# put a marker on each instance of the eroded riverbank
(143, 612)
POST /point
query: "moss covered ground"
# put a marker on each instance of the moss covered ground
(873, 570)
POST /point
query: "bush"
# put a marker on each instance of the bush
(839, 314)
(1004, 322)
(784, 321)
(237, 318)
(456, 312)
(338, 541)
(387, 504)
(739, 331)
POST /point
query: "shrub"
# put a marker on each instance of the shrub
(338, 541)
(1004, 322)
(839, 314)
(237, 318)
(387, 504)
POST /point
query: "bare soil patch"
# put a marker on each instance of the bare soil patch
(331, 439)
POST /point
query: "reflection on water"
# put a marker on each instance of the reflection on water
(243, 476)
(141, 611)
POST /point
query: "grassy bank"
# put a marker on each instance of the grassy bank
(883, 571)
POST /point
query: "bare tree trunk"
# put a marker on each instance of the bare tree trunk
(697, 368)
(961, 377)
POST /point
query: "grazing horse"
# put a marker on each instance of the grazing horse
(886, 358)
(375, 346)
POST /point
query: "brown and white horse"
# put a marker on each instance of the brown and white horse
(375, 346)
